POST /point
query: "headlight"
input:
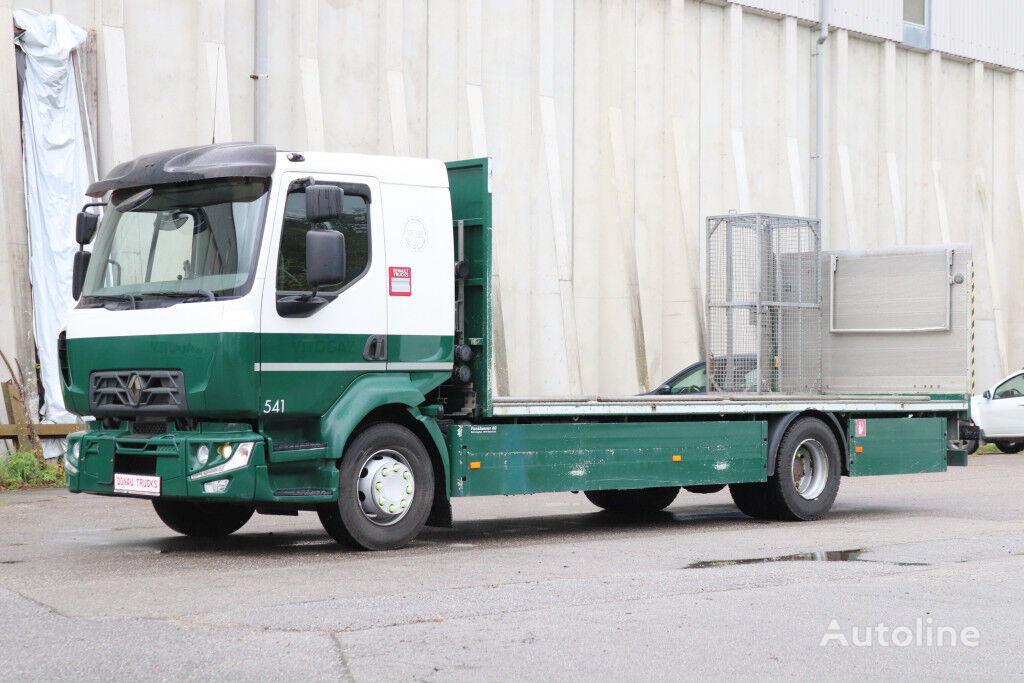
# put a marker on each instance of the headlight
(76, 449)
(203, 454)
(239, 459)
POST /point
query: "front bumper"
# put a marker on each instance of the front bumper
(171, 456)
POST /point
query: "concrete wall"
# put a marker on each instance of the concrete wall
(616, 127)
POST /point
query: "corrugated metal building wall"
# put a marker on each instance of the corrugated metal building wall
(616, 127)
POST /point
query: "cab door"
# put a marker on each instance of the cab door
(308, 358)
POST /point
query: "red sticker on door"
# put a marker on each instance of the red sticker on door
(400, 281)
(860, 427)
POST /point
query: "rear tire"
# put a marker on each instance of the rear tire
(752, 500)
(368, 517)
(1009, 446)
(805, 481)
(807, 471)
(203, 520)
(634, 501)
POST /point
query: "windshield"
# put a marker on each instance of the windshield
(191, 239)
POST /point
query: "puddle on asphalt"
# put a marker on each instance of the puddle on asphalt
(852, 555)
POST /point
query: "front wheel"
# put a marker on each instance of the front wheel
(385, 490)
(203, 520)
(1009, 446)
(634, 501)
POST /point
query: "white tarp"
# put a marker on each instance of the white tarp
(56, 176)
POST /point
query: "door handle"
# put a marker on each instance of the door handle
(376, 347)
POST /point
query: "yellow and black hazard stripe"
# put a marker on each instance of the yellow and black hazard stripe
(972, 328)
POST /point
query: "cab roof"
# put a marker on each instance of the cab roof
(189, 164)
(249, 160)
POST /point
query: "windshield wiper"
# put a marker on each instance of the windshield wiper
(186, 294)
(130, 298)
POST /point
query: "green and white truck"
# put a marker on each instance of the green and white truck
(276, 332)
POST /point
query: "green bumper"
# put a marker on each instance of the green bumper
(173, 457)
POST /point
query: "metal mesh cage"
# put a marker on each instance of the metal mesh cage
(763, 304)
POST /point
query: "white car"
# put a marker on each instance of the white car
(999, 413)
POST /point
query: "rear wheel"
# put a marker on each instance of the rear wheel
(805, 481)
(1010, 446)
(385, 490)
(634, 501)
(807, 471)
(752, 500)
(203, 520)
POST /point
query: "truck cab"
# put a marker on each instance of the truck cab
(216, 368)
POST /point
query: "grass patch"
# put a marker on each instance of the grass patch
(23, 470)
(988, 449)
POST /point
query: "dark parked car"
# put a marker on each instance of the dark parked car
(694, 378)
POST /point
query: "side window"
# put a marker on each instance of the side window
(1011, 388)
(693, 382)
(291, 259)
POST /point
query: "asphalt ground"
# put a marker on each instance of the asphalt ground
(530, 588)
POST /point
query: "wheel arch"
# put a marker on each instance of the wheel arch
(778, 425)
(373, 399)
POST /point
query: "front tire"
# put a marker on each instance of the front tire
(634, 501)
(385, 490)
(203, 520)
(1009, 446)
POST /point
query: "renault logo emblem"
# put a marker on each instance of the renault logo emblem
(134, 389)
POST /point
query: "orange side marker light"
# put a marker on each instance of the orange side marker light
(475, 465)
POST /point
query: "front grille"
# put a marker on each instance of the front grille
(144, 428)
(135, 392)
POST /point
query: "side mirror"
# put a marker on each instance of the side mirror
(987, 394)
(85, 227)
(325, 258)
(78, 273)
(324, 203)
(664, 389)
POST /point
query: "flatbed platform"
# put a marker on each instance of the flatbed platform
(718, 404)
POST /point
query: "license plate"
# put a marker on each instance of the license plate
(138, 484)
